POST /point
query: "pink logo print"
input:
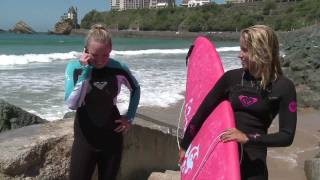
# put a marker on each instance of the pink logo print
(247, 101)
(293, 106)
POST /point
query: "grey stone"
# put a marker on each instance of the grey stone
(12, 117)
(69, 115)
(312, 169)
(167, 175)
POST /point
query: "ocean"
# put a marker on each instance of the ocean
(32, 69)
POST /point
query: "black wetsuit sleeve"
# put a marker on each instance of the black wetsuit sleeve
(216, 95)
(287, 120)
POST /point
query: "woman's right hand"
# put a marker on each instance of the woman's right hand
(85, 58)
(182, 153)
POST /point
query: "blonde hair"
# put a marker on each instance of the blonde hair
(98, 33)
(263, 50)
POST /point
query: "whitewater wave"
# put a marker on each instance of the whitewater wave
(47, 58)
(36, 58)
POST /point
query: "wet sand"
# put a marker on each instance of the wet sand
(288, 163)
(284, 163)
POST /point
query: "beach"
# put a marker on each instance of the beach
(288, 163)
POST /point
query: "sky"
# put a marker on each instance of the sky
(42, 15)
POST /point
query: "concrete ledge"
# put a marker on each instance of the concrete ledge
(43, 151)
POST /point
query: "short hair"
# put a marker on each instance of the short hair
(99, 33)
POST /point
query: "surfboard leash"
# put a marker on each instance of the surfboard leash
(215, 142)
(178, 126)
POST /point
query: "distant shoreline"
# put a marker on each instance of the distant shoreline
(220, 36)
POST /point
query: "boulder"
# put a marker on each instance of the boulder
(167, 175)
(12, 117)
(312, 169)
(22, 28)
(70, 114)
(43, 152)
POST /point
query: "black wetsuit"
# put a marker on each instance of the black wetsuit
(254, 109)
(95, 141)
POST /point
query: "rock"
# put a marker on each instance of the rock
(40, 151)
(12, 117)
(312, 169)
(22, 28)
(70, 114)
(302, 62)
(63, 27)
(167, 175)
(1, 30)
(43, 152)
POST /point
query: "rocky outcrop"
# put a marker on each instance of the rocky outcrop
(22, 28)
(302, 63)
(63, 27)
(167, 175)
(43, 152)
(12, 117)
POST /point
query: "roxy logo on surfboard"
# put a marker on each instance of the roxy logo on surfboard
(191, 155)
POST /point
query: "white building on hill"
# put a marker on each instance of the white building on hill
(121, 5)
(195, 3)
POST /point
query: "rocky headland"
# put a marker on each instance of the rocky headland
(63, 27)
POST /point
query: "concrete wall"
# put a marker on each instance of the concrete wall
(43, 152)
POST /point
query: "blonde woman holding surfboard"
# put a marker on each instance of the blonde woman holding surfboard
(258, 92)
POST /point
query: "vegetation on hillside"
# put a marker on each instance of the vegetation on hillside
(213, 17)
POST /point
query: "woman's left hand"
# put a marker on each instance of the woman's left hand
(124, 124)
(234, 134)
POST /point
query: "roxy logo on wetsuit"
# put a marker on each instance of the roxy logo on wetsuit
(100, 85)
(247, 101)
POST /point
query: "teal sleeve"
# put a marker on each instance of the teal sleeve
(70, 84)
(134, 88)
(134, 102)
(134, 95)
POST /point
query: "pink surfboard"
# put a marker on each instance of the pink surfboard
(207, 158)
